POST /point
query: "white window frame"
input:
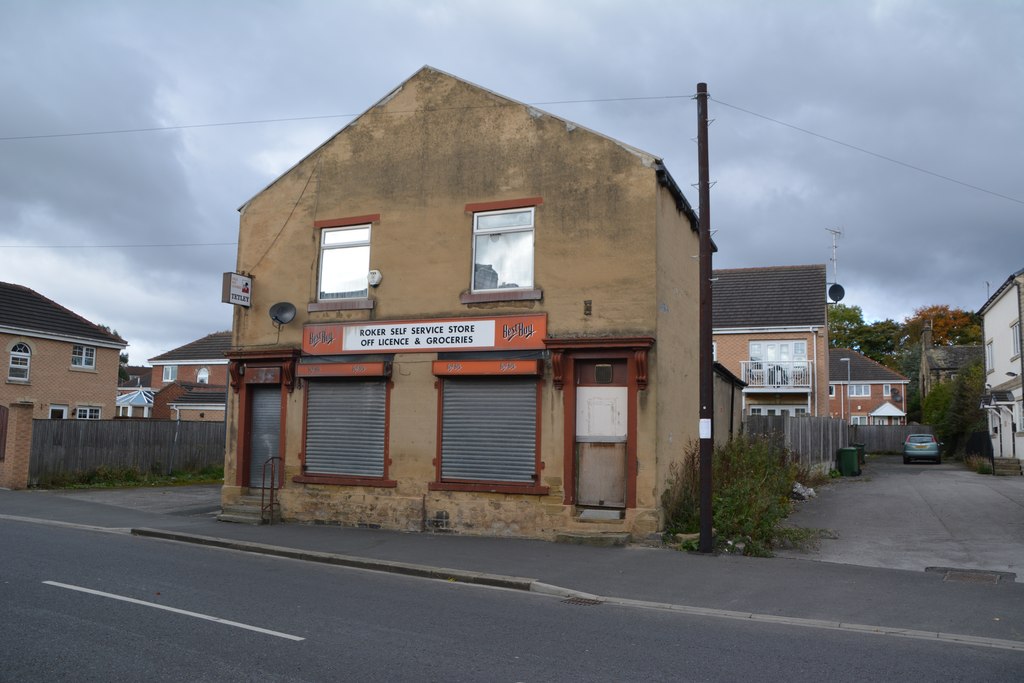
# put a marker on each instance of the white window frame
(859, 390)
(831, 390)
(858, 419)
(83, 356)
(886, 390)
(203, 376)
(88, 413)
(343, 243)
(483, 231)
(59, 408)
(20, 362)
(990, 363)
(170, 373)
(1015, 335)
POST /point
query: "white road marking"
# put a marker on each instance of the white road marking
(197, 615)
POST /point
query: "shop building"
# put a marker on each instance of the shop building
(466, 314)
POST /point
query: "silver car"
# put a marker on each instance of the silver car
(921, 447)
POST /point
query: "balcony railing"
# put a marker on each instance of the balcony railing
(782, 375)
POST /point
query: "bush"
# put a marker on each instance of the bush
(105, 477)
(751, 482)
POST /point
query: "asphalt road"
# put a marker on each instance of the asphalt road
(87, 605)
(918, 517)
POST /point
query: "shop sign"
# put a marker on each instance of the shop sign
(505, 333)
(236, 289)
(379, 369)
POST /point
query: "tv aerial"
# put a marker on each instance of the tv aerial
(835, 291)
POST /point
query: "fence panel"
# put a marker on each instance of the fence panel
(885, 438)
(814, 440)
(77, 446)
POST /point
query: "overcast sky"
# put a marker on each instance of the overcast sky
(900, 122)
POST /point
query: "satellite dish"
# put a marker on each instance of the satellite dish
(836, 292)
(282, 313)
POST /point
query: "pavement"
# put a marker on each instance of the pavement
(962, 605)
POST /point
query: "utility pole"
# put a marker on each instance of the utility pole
(706, 542)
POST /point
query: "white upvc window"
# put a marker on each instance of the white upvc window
(58, 412)
(203, 376)
(83, 356)
(1015, 335)
(860, 390)
(344, 262)
(990, 363)
(858, 419)
(170, 373)
(21, 357)
(886, 390)
(778, 351)
(503, 250)
(831, 390)
(87, 413)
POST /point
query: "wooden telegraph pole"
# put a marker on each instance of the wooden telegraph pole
(706, 544)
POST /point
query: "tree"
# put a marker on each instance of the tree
(953, 408)
(950, 326)
(844, 326)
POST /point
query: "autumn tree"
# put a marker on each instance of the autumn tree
(950, 326)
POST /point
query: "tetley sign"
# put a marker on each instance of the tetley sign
(455, 334)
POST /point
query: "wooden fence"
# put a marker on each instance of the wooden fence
(157, 446)
(885, 438)
(814, 440)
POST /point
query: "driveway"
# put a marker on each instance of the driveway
(916, 517)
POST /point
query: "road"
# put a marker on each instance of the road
(324, 623)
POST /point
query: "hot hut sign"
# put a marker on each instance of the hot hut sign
(408, 336)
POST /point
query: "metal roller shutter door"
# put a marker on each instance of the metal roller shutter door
(265, 435)
(489, 429)
(345, 428)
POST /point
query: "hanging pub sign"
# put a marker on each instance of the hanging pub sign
(236, 289)
(503, 333)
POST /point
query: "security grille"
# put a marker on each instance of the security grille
(489, 429)
(345, 428)
(265, 434)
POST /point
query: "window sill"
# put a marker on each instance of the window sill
(14, 380)
(484, 487)
(510, 295)
(334, 480)
(78, 368)
(341, 305)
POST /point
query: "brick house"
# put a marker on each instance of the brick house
(58, 361)
(495, 324)
(865, 392)
(771, 331)
(190, 382)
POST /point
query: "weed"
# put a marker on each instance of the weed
(751, 482)
(978, 463)
(104, 477)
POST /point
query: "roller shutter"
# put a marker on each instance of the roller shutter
(345, 428)
(265, 433)
(489, 429)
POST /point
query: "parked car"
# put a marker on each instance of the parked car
(921, 447)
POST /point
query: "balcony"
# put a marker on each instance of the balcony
(778, 375)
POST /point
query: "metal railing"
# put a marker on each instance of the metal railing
(267, 508)
(777, 374)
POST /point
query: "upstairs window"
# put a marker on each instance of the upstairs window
(860, 390)
(344, 262)
(503, 250)
(83, 357)
(202, 376)
(1015, 334)
(21, 356)
(170, 373)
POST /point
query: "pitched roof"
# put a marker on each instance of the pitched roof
(887, 410)
(953, 357)
(776, 296)
(211, 347)
(28, 311)
(862, 368)
(999, 291)
(201, 394)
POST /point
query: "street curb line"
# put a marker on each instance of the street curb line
(404, 568)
